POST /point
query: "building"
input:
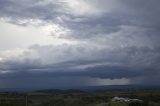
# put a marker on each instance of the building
(121, 99)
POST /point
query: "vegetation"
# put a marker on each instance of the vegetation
(80, 98)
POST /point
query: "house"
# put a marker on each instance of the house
(121, 99)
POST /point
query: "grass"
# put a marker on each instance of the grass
(119, 103)
(150, 98)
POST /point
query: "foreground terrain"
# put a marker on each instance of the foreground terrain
(150, 97)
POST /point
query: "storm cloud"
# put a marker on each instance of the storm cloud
(112, 42)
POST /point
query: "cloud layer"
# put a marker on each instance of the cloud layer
(112, 42)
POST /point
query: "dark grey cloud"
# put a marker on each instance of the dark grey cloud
(142, 14)
(135, 13)
(125, 63)
(117, 41)
(27, 9)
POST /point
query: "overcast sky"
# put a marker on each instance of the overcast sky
(72, 43)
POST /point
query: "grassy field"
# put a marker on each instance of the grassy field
(79, 98)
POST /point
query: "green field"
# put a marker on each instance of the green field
(79, 98)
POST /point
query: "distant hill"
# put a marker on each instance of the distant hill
(59, 91)
(119, 87)
(82, 89)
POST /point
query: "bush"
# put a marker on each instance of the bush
(135, 104)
